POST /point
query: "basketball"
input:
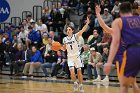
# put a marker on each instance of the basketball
(56, 46)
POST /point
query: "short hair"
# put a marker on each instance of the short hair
(30, 27)
(29, 16)
(126, 7)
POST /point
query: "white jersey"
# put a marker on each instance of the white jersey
(72, 45)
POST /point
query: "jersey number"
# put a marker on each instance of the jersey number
(71, 47)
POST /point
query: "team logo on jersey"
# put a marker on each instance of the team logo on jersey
(4, 10)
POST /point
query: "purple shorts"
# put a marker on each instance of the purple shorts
(128, 64)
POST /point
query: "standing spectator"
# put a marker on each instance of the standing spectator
(36, 60)
(94, 58)
(115, 10)
(2, 55)
(91, 24)
(41, 27)
(22, 35)
(107, 17)
(29, 19)
(54, 37)
(33, 38)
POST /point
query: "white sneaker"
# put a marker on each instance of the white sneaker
(97, 80)
(81, 88)
(106, 79)
(24, 76)
(75, 86)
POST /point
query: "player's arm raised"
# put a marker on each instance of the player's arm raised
(106, 28)
(84, 28)
(116, 35)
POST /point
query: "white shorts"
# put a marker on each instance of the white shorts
(75, 61)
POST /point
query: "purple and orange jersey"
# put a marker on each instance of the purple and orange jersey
(128, 60)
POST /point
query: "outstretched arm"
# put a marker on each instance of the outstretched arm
(106, 28)
(84, 28)
(116, 35)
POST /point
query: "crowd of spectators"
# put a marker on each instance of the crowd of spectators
(28, 46)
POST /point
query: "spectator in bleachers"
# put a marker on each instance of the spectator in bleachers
(100, 65)
(46, 18)
(95, 40)
(94, 58)
(2, 55)
(108, 5)
(19, 59)
(33, 38)
(107, 17)
(91, 24)
(102, 6)
(25, 24)
(41, 27)
(22, 35)
(136, 8)
(33, 25)
(29, 19)
(64, 3)
(10, 54)
(115, 10)
(35, 62)
(106, 40)
(15, 41)
(54, 37)
(85, 56)
(72, 4)
(60, 63)
(51, 59)
(48, 46)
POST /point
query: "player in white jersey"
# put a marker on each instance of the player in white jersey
(72, 46)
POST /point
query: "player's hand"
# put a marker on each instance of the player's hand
(87, 21)
(97, 9)
(107, 68)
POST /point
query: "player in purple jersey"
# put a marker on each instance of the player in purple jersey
(126, 28)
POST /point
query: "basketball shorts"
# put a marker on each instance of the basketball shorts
(128, 64)
(75, 61)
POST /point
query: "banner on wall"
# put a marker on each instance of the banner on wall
(4, 10)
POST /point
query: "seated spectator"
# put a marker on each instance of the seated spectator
(107, 17)
(100, 65)
(94, 58)
(41, 27)
(102, 6)
(35, 62)
(54, 37)
(95, 40)
(106, 40)
(33, 38)
(2, 55)
(50, 62)
(85, 56)
(60, 63)
(19, 59)
(25, 24)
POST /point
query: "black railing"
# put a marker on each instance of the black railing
(16, 21)
(37, 12)
(2, 25)
(25, 13)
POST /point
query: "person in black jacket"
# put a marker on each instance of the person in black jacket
(19, 59)
(2, 55)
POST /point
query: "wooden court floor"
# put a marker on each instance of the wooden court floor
(41, 85)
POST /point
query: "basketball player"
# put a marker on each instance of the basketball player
(126, 29)
(73, 52)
